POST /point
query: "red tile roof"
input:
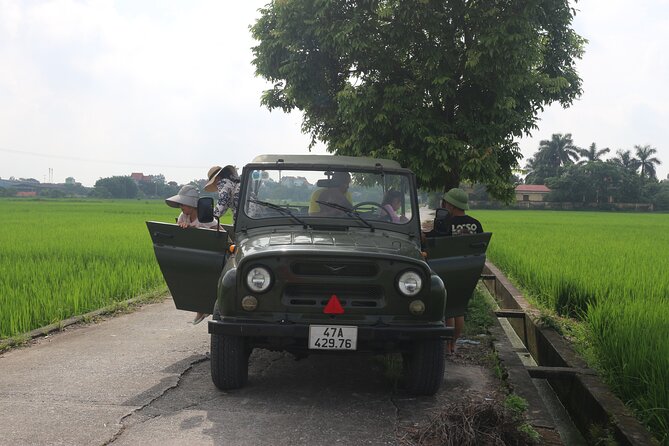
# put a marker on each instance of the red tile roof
(532, 188)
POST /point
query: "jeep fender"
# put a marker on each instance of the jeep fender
(437, 292)
(227, 291)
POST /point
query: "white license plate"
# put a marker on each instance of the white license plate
(333, 337)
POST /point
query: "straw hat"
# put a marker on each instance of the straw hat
(457, 197)
(211, 176)
(187, 195)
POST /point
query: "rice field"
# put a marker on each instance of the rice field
(610, 271)
(64, 258)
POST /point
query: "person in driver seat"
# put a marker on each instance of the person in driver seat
(337, 193)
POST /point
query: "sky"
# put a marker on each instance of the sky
(92, 89)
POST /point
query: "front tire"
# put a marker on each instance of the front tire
(229, 362)
(424, 367)
(229, 359)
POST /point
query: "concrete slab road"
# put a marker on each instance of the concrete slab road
(143, 378)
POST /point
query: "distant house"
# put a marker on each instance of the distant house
(139, 177)
(531, 192)
(294, 181)
(26, 193)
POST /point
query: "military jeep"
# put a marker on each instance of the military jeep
(313, 265)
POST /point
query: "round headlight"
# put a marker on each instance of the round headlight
(258, 279)
(410, 283)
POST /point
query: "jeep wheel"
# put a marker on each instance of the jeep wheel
(424, 367)
(229, 361)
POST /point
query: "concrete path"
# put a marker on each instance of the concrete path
(143, 378)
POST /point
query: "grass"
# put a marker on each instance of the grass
(62, 258)
(608, 271)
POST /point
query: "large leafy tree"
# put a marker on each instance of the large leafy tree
(442, 86)
(646, 161)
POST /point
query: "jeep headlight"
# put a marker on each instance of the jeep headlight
(258, 279)
(410, 283)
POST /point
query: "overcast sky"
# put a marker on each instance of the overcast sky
(101, 88)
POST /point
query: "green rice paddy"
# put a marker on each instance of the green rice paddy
(610, 271)
(59, 259)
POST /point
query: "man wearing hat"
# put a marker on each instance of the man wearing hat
(226, 181)
(457, 223)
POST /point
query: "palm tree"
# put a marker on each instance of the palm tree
(592, 154)
(647, 163)
(625, 159)
(558, 151)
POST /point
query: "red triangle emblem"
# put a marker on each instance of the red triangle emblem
(333, 306)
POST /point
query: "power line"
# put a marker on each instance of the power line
(74, 158)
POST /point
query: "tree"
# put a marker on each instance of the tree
(645, 162)
(596, 182)
(553, 155)
(442, 86)
(116, 187)
(626, 160)
(537, 170)
(558, 151)
(592, 154)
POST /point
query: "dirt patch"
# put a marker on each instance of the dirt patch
(471, 414)
(470, 423)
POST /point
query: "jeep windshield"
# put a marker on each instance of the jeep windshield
(368, 199)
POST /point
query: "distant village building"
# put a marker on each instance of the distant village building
(294, 181)
(531, 193)
(139, 177)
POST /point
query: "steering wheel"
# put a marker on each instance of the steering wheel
(372, 203)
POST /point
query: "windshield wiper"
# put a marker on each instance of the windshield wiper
(347, 211)
(283, 210)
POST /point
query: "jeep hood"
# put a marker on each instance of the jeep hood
(351, 242)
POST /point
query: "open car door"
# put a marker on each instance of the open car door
(459, 261)
(191, 261)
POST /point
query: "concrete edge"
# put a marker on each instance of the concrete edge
(8, 343)
(520, 383)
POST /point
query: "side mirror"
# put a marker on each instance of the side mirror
(205, 209)
(441, 216)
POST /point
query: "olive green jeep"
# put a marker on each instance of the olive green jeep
(318, 262)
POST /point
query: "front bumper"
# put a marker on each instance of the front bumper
(369, 333)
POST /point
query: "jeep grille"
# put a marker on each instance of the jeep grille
(318, 295)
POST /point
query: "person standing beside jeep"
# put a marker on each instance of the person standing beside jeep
(456, 223)
(225, 180)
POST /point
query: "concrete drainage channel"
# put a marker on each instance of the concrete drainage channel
(587, 400)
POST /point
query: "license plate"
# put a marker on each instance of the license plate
(332, 337)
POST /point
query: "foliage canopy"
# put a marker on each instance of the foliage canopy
(442, 86)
